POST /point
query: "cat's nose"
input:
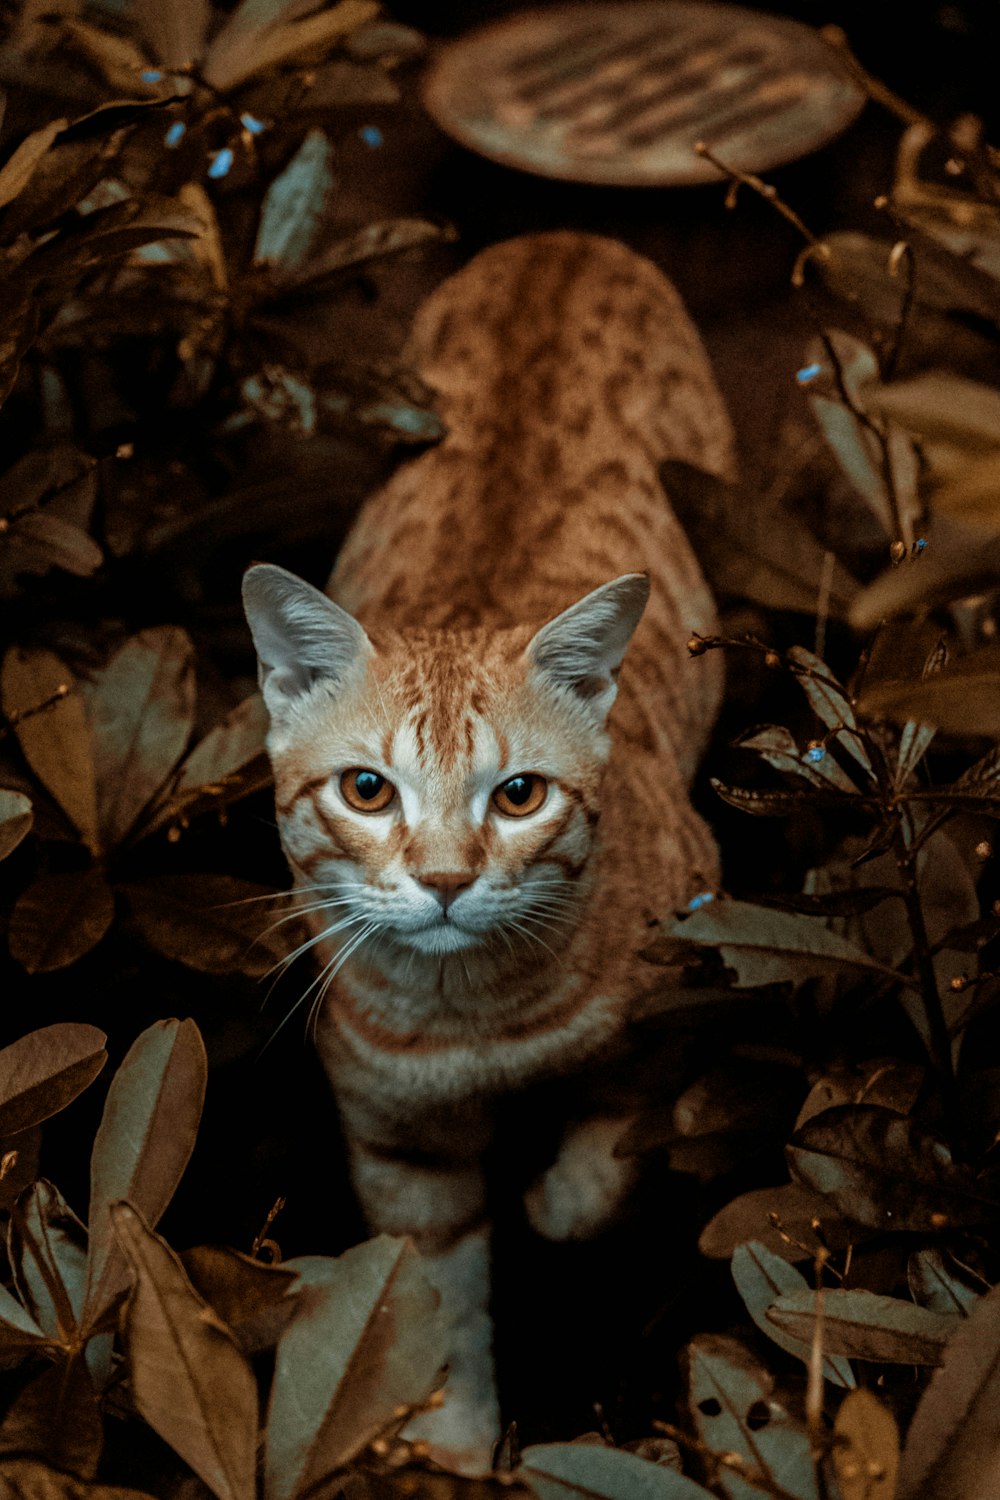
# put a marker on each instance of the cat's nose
(446, 885)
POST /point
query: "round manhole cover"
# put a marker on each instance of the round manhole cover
(622, 93)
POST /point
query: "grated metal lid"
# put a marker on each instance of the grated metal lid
(620, 94)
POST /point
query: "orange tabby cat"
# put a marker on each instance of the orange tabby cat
(477, 846)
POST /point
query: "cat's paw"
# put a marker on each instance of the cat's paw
(460, 1435)
(586, 1185)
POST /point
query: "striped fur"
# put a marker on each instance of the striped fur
(566, 372)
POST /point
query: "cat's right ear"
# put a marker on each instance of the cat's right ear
(301, 636)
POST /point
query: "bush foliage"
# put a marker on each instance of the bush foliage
(166, 238)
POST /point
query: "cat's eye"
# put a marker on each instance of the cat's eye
(520, 795)
(366, 791)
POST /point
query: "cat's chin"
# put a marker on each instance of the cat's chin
(443, 937)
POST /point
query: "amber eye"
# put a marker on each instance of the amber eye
(366, 791)
(521, 795)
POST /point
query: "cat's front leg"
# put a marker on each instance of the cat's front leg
(586, 1186)
(438, 1199)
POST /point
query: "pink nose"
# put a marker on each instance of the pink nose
(446, 884)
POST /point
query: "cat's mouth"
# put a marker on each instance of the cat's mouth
(442, 936)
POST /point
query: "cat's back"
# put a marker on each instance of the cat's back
(566, 371)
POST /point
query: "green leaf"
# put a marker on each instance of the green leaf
(213, 923)
(218, 769)
(778, 747)
(16, 818)
(560, 1471)
(866, 1448)
(187, 1376)
(735, 1412)
(47, 1250)
(367, 1343)
(145, 1138)
(42, 1072)
(882, 1171)
(934, 1284)
(56, 1418)
(765, 946)
(952, 1450)
(60, 918)
(295, 205)
(141, 712)
(763, 1278)
(830, 703)
(56, 740)
(862, 1325)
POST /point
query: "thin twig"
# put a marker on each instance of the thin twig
(19, 715)
(770, 192)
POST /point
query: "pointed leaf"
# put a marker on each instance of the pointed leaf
(47, 1249)
(866, 1451)
(385, 237)
(187, 1376)
(830, 703)
(952, 1450)
(143, 1144)
(862, 1325)
(60, 918)
(891, 1083)
(233, 57)
(56, 741)
(227, 749)
(142, 712)
(588, 1471)
(735, 1412)
(56, 1418)
(295, 205)
(766, 946)
(41, 1072)
(882, 1171)
(762, 1278)
(367, 1343)
(16, 818)
(18, 170)
(934, 1284)
(772, 804)
(18, 1329)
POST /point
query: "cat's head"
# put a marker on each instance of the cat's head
(438, 789)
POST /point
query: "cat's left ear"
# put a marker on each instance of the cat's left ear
(301, 636)
(583, 648)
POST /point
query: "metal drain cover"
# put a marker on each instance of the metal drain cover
(620, 94)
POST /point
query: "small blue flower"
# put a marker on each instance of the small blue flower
(920, 544)
(815, 753)
(175, 134)
(251, 123)
(371, 135)
(807, 373)
(151, 75)
(220, 163)
(697, 902)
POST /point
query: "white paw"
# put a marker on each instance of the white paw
(586, 1185)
